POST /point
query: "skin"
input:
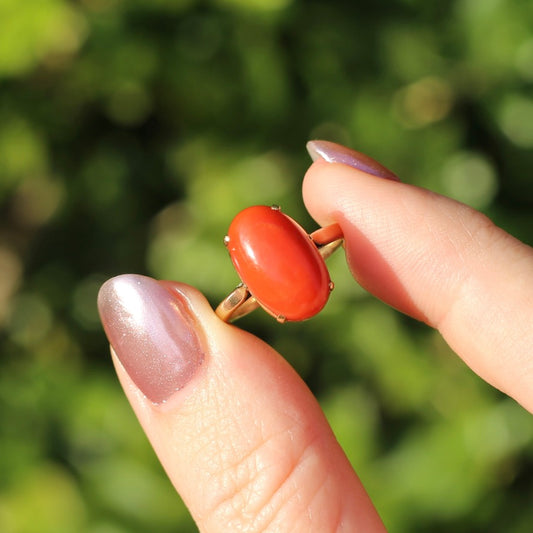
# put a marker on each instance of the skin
(275, 465)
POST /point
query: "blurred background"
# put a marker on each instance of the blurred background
(131, 132)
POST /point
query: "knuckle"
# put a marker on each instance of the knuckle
(264, 484)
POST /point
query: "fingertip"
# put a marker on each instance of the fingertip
(317, 198)
(157, 331)
(439, 261)
(332, 189)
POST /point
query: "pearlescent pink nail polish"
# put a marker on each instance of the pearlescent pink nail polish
(336, 153)
(153, 332)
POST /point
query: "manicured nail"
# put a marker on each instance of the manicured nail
(336, 153)
(153, 333)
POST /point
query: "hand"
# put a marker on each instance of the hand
(239, 434)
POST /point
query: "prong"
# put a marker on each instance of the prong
(281, 319)
(331, 285)
(226, 240)
(275, 207)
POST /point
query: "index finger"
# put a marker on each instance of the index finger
(439, 261)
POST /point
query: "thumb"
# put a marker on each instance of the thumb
(241, 437)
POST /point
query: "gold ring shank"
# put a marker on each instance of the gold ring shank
(237, 304)
(327, 235)
(240, 302)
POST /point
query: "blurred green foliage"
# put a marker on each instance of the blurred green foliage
(132, 131)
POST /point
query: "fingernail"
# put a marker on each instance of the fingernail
(153, 333)
(336, 153)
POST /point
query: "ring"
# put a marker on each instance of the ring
(281, 267)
